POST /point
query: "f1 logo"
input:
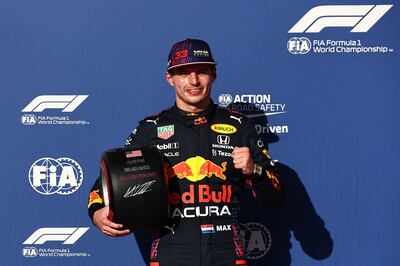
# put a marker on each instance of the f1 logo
(66, 102)
(67, 234)
(222, 139)
(360, 17)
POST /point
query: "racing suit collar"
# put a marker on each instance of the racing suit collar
(195, 119)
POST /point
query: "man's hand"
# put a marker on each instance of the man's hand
(242, 160)
(100, 219)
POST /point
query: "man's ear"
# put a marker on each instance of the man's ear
(214, 72)
(168, 78)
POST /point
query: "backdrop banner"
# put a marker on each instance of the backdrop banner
(319, 78)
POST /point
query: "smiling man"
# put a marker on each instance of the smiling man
(192, 84)
(211, 154)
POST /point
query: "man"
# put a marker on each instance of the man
(212, 153)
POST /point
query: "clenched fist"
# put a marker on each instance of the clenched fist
(242, 160)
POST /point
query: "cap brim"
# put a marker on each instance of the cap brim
(192, 63)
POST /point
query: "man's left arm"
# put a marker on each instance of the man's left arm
(258, 168)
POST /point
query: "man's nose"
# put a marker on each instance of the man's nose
(193, 78)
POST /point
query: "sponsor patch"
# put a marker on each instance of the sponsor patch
(223, 128)
(165, 132)
(201, 53)
(200, 121)
(193, 212)
(196, 168)
(94, 197)
(168, 146)
(223, 140)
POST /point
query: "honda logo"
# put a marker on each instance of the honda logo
(222, 139)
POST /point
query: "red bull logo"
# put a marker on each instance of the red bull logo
(200, 121)
(204, 195)
(94, 197)
(196, 168)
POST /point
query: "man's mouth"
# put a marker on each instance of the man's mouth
(194, 91)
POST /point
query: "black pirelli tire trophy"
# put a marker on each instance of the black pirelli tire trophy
(135, 187)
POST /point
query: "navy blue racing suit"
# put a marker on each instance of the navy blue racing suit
(204, 186)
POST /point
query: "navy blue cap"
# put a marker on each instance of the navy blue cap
(188, 52)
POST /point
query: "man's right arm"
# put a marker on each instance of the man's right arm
(98, 212)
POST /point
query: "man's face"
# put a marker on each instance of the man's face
(192, 84)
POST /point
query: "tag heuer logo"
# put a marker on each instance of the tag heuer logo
(165, 132)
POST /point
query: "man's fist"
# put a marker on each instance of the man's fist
(242, 160)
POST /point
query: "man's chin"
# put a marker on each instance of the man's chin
(195, 98)
(197, 101)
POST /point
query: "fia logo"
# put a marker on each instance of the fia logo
(29, 252)
(299, 45)
(225, 99)
(48, 176)
(28, 120)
